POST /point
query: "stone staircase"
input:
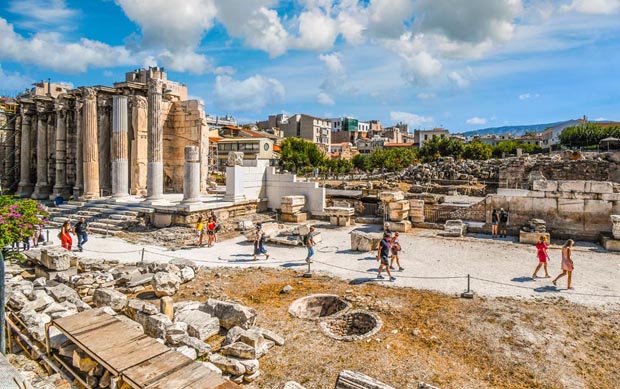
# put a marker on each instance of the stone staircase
(103, 218)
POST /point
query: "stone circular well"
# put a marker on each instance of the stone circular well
(317, 306)
(350, 326)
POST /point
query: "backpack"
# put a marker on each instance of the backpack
(503, 217)
(217, 227)
(307, 239)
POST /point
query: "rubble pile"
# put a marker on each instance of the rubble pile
(448, 169)
(535, 225)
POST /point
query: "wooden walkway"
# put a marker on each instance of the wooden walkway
(141, 361)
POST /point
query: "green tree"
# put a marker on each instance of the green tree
(18, 218)
(477, 150)
(436, 147)
(510, 147)
(362, 162)
(299, 154)
(589, 134)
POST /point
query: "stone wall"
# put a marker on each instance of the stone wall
(577, 209)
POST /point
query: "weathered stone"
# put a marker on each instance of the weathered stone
(57, 339)
(140, 279)
(212, 367)
(201, 347)
(455, 228)
(545, 186)
(248, 378)
(39, 300)
(187, 351)
(287, 289)
(62, 292)
(532, 237)
(230, 314)
(83, 361)
(115, 299)
(35, 323)
(154, 325)
(175, 333)
(615, 226)
(17, 300)
(391, 196)
(349, 379)
(187, 274)
(293, 200)
(268, 334)
(199, 324)
(166, 306)
(105, 380)
(41, 281)
(293, 385)
(239, 350)
(252, 338)
(362, 241)
(165, 284)
(233, 335)
(572, 186)
(400, 226)
(227, 365)
(188, 305)
(136, 305)
(56, 258)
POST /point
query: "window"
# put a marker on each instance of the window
(425, 136)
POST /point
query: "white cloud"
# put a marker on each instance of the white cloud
(387, 17)
(40, 15)
(457, 81)
(252, 94)
(526, 96)
(425, 96)
(325, 99)
(332, 62)
(186, 61)
(418, 65)
(602, 7)
(13, 81)
(48, 50)
(411, 118)
(476, 120)
(317, 31)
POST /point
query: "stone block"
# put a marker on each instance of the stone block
(532, 237)
(455, 228)
(343, 221)
(572, 186)
(166, 305)
(56, 258)
(62, 292)
(269, 335)
(398, 215)
(293, 200)
(230, 314)
(165, 284)
(362, 241)
(227, 365)
(339, 211)
(293, 385)
(287, 208)
(239, 350)
(154, 325)
(201, 347)
(416, 211)
(349, 379)
(609, 243)
(390, 196)
(294, 218)
(110, 297)
(200, 325)
(401, 226)
(599, 187)
(545, 186)
(83, 361)
(401, 205)
(42, 271)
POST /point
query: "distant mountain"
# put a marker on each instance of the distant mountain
(514, 130)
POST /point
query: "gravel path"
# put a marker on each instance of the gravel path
(506, 266)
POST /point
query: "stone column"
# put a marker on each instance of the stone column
(139, 145)
(51, 150)
(191, 176)
(90, 153)
(25, 187)
(155, 166)
(10, 134)
(104, 137)
(120, 148)
(41, 188)
(79, 171)
(60, 185)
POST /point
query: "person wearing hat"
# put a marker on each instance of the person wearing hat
(503, 222)
(309, 242)
(259, 242)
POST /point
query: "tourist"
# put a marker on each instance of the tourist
(395, 248)
(199, 231)
(217, 227)
(543, 257)
(26, 242)
(386, 230)
(259, 242)
(81, 230)
(310, 243)
(503, 222)
(382, 255)
(210, 231)
(65, 235)
(567, 263)
(36, 235)
(494, 221)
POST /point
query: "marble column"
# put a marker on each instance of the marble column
(51, 150)
(8, 177)
(191, 176)
(25, 186)
(42, 187)
(90, 153)
(104, 138)
(60, 185)
(155, 165)
(78, 187)
(120, 147)
(14, 158)
(139, 145)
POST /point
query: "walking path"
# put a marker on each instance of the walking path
(499, 268)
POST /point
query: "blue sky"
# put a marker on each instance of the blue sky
(461, 64)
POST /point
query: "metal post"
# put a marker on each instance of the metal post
(468, 294)
(2, 317)
(308, 274)
(142, 257)
(47, 240)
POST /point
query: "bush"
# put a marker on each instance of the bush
(478, 151)
(589, 134)
(18, 218)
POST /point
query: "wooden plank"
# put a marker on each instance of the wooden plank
(131, 354)
(114, 334)
(83, 321)
(193, 376)
(156, 368)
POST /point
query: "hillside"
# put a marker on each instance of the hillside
(514, 130)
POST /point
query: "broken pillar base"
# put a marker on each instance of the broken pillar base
(467, 295)
(609, 243)
(294, 218)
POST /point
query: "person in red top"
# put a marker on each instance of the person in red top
(65, 235)
(543, 257)
(210, 232)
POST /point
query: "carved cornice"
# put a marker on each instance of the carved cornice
(89, 93)
(155, 86)
(139, 102)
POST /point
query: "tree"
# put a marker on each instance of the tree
(436, 147)
(589, 134)
(18, 218)
(299, 154)
(477, 150)
(362, 162)
(510, 147)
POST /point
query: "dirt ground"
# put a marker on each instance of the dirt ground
(426, 336)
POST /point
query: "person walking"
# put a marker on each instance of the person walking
(200, 226)
(567, 263)
(310, 243)
(210, 232)
(494, 221)
(543, 256)
(395, 248)
(383, 254)
(259, 242)
(503, 222)
(81, 230)
(65, 235)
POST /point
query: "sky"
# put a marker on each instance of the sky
(458, 64)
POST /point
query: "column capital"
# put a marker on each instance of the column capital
(59, 105)
(104, 101)
(155, 85)
(138, 101)
(88, 93)
(41, 107)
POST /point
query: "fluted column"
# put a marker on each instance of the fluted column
(191, 176)
(41, 188)
(155, 166)
(90, 154)
(120, 147)
(25, 186)
(9, 153)
(78, 187)
(60, 186)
